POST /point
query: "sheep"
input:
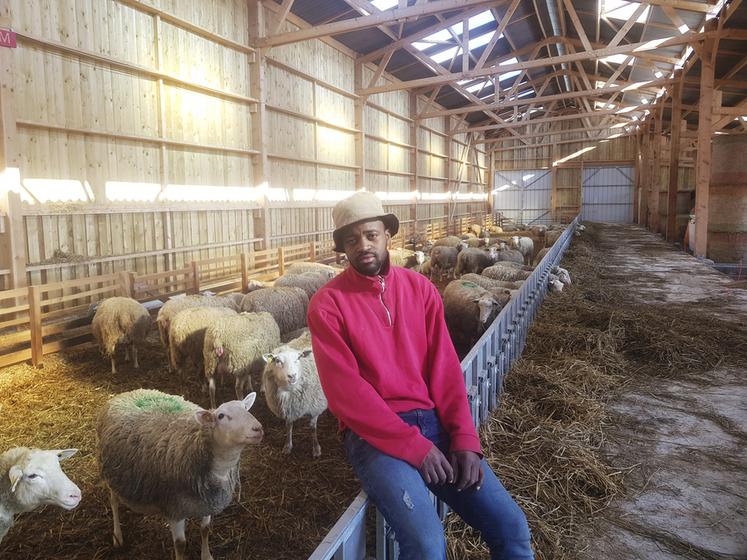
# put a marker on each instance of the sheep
(492, 230)
(448, 241)
(254, 285)
(425, 268)
(525, 246)
(563, 275)
(554, 284)
(30, 478)
(309, 282)
(474, 242)
(489, 283)
(474, 260)
(443, 259)
(290, 382)
(552, 236)
(476, 229)
(160, 454)
(402, 257)
(503, 271)
(187, 335)
(177, 304)
(301, 267)
(287, 306)
(506, 254)
(538, 230)
(236, 298)
(235, 345)
(468, 309)
(540, 255)
(120, 320)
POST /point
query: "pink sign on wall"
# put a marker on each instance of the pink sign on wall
(7, 38)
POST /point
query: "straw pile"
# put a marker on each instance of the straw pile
(287, 503)
(546, 440)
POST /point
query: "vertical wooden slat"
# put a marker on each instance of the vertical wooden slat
(281, 261)
(195, 277)
(37, 349)
(244, 274)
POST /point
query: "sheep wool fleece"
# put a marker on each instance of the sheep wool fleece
(381, 347)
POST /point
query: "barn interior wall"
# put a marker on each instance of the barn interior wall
(135, 146)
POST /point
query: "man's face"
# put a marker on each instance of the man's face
(366, 246)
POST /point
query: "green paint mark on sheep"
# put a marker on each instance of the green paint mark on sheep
(162, 403)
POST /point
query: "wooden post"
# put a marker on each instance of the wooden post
(195, 277)
(312, 251)
(637, 190)
(414, 164)
(125, 281)
(703, 163)
(554, 184)
(244, 274)
(258, 90)
(656, 164)
(35, 323)
(13, 241)
(360, 136)
(281, 261)
(674, 160)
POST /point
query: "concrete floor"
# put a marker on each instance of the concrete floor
(688, 492)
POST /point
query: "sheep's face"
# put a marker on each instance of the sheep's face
(554, 284)
(419, 257)
(37, 479)
(285, 367)
(515, 241)
(232, 423)
(563, 275)
(493, 252)
(485, 304)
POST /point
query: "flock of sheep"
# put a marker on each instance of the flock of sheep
(160, 454)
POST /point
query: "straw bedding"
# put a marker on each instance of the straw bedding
(545, 441)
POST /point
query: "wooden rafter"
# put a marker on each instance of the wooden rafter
(538, 63)
(386, 17)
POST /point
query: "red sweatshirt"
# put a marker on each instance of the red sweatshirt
(381, 347)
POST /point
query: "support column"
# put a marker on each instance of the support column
(360, 136)
(12, 236)
(674, 160)
(637, 191)
(414, 159)
(703, 163)
(258, 90)
(490, 179)
(656, 175)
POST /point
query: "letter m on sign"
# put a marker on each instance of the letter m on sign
(7, 38)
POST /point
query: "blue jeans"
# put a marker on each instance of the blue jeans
(401, 495)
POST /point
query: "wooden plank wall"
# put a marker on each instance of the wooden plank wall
(118, 102)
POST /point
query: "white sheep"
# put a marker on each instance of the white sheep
(179, 303)
(286, 305)
(563, 275)
(489, 283)
(554, 284)
(187, 335)
(120, 321)
(160, 454)
(506, 271)
(291, 385)
(30, 478)
(525, 246)
(235, 345)
(309, 282)
(301, 267)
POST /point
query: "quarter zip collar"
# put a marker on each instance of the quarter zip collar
(359, 278)
(379, 284)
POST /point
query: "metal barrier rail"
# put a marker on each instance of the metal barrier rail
(484, 368)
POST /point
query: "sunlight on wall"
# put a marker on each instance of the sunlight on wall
(320, 195)
(10, 180)
(117, 191)
(575, 154)
(55, 190)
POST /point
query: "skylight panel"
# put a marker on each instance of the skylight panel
(508, 75)
(384, 4)
(480, 41)
(443, 56)
(617, 58)
(623, 10)
(480, 19)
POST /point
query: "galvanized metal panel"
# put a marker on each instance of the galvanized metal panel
(608, 194)
(523, 195)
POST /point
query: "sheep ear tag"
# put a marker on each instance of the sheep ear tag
(16, 474)
(249, 400)
(305, 354)
(268, 358)
(63, 454)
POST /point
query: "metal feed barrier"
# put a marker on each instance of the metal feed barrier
(484, 369)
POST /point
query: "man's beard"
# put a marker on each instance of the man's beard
(370, 268)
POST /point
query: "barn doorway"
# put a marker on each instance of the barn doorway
(523, 195)
(608, 194)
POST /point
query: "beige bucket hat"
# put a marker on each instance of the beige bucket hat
(363, 206)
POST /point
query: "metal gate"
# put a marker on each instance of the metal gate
(523, 195)
(608, 194)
